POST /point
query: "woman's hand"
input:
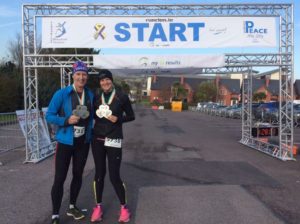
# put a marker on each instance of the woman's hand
(112, 118)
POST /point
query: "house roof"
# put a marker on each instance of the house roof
(273, 87)
(257, 83)
(163, 82)
(195, 82)
(267, 73)
(233, 85)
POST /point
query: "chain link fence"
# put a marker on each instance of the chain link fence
(11, 136)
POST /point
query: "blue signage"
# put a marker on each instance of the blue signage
(176, 31)
(251, 29)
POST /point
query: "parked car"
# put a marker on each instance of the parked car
(219, 109)
(267, 112)
(297, 114)
(254, 107)
(235, 111)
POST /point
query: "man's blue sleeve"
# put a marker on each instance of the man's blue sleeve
(52, 115)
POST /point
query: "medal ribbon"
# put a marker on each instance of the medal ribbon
(82, 98)
(110, 99)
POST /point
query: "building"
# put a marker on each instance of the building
(267, 86)
(297, 90)
(229, 91)
(229, 88)
(161, 88)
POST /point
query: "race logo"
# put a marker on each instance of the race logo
(144, 61)
(60, 30)
(99, 31)
(250, 28)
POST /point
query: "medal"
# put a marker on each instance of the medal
(103, 110)
(81, 111)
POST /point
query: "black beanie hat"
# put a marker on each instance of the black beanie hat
(105, 74)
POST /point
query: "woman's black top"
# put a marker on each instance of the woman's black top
(121, 108)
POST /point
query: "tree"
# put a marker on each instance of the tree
(7, 68)
(125, 87)
(139, 93)
(9, 96)
(121, 85)
(69, 51)
(206, 92)
(48, 83)
(165, 93)
(258, 97)
(178, 91)
(15, 50)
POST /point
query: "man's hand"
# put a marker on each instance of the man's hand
(73, 119)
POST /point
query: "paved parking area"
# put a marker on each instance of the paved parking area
(178, 167)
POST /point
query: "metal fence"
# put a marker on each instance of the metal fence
(11, 136)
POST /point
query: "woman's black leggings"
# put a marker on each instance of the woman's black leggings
(114, 156)
(64, 153)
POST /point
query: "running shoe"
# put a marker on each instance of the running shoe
(76, 213)
(55, 221)
(97, 214)
(124, 214)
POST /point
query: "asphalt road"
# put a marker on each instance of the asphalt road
(178, 167)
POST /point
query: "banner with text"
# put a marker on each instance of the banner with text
(36, 150)
(158, 61)
(158, 64)
(158, 32)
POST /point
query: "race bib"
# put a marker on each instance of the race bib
(111, 142)
(78, 131)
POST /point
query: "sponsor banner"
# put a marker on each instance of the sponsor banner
(157, 71)
(158, 63)
(158, 32)
(50, 128)
(44, 139)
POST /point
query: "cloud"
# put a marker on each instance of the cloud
(8, 12)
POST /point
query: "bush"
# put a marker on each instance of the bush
(144, 103)
(9, 95)
(155, 103)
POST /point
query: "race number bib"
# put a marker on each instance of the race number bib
(78, 131)
(111, 142)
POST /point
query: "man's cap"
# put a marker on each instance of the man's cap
(80, 66)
